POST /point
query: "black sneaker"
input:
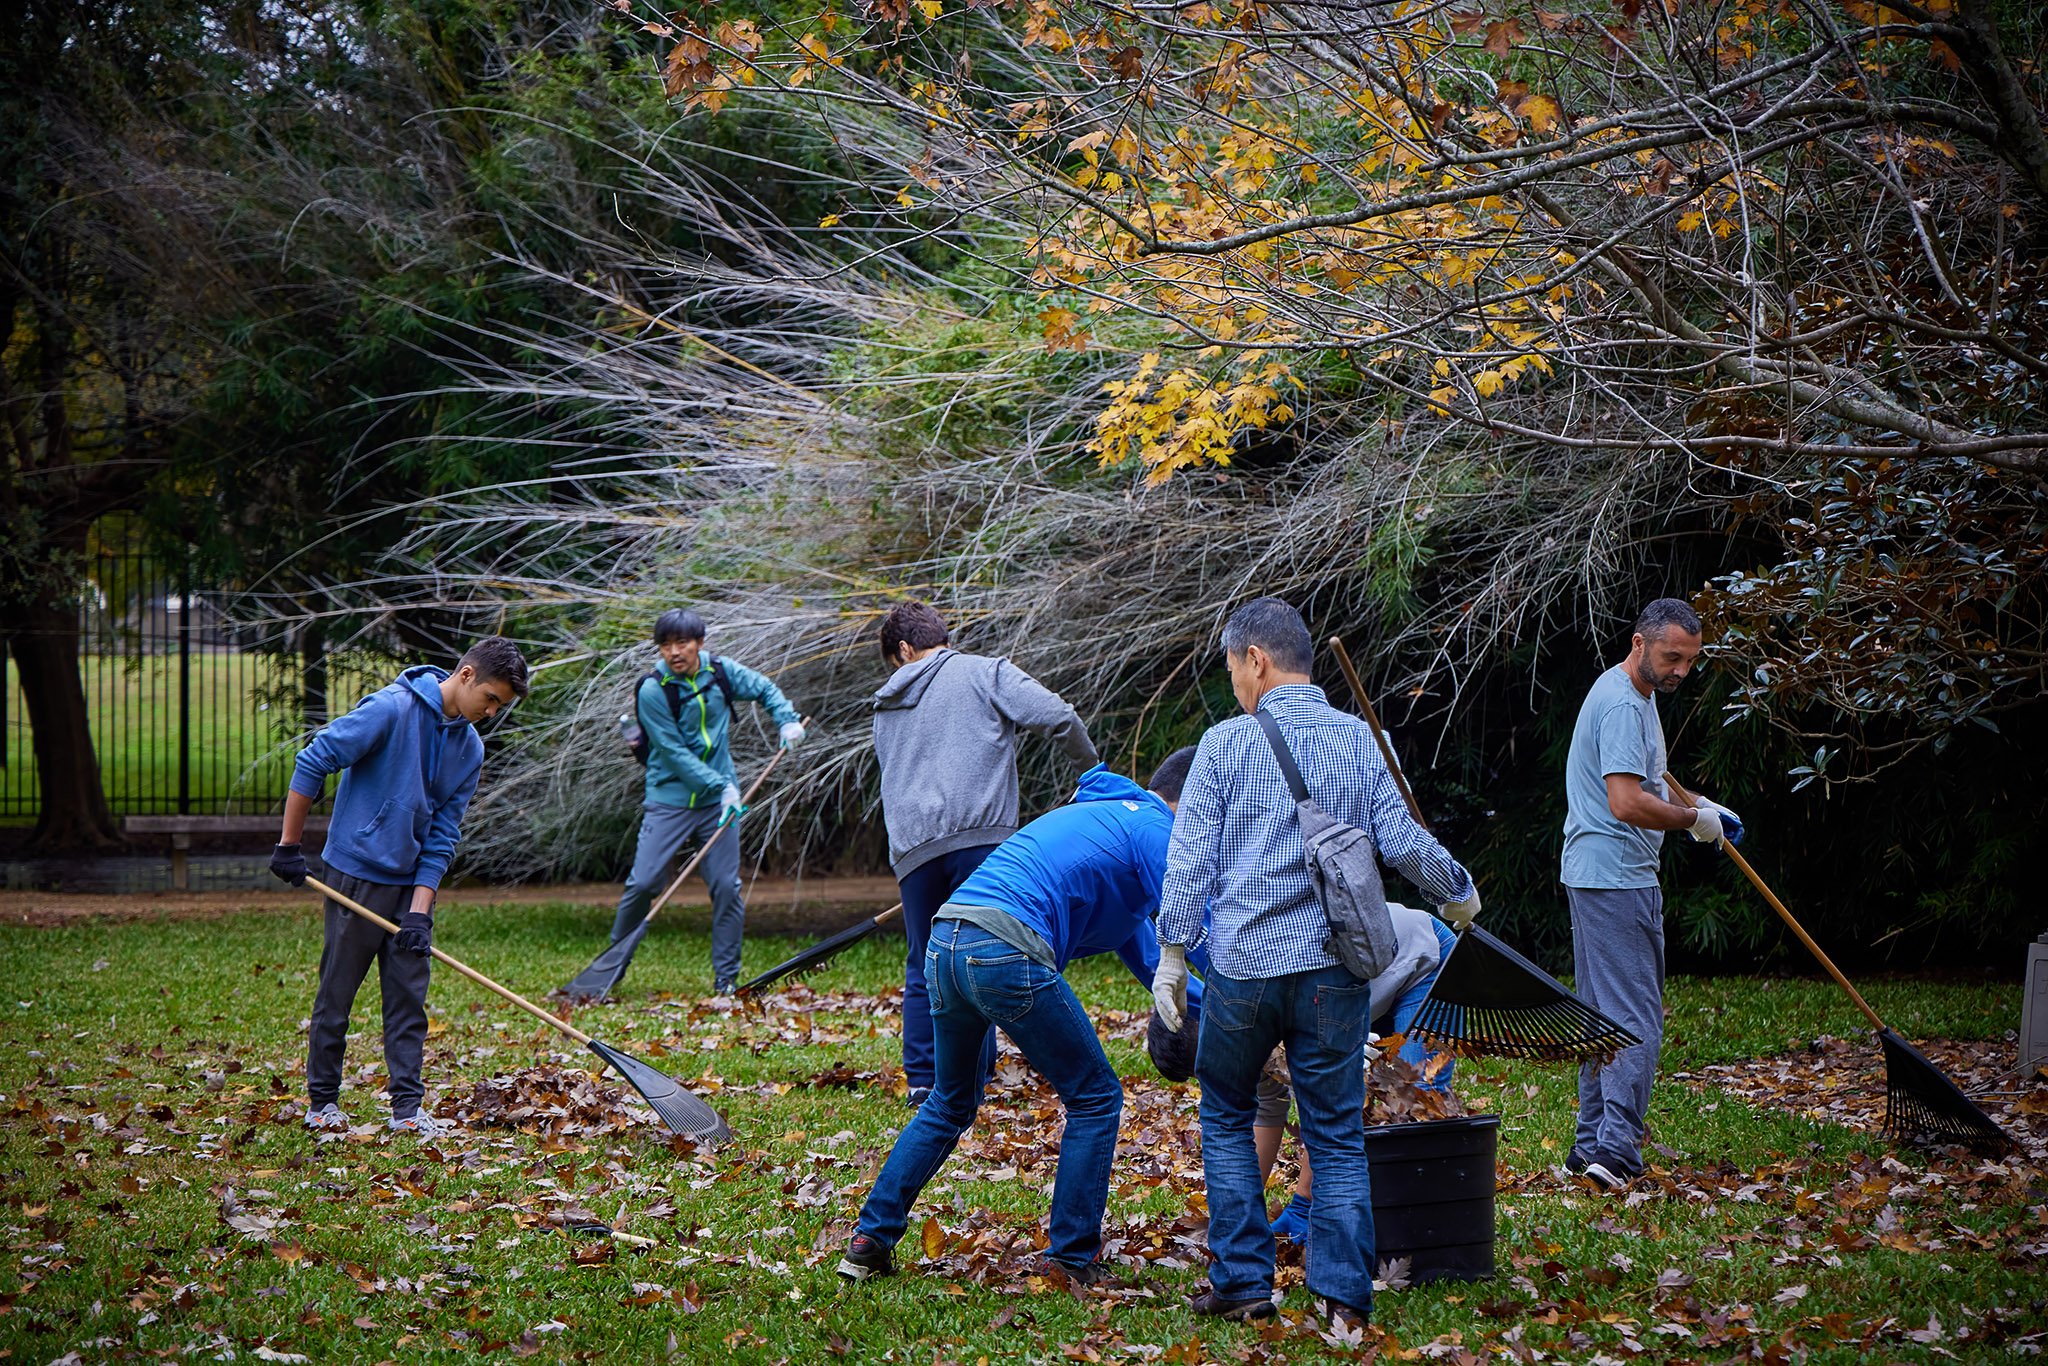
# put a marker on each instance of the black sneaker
(1209, 1304)
(864, 1258)
(1340, 1315)
(1610, 1174)
(724, 986)
(917, 1096)
(1575, 1162)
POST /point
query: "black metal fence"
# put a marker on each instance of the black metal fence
(189, 714)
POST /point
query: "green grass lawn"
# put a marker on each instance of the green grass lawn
(150, 1073)
(243, 713)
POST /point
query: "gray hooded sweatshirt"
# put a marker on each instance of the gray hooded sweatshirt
(946, 734)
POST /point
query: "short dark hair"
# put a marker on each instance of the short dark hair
(914, 624)
(1274, 626)
(1665, 613)
(1172, 774)
(678, 623)
(497, 660)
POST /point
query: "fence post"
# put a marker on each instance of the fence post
(185, 686)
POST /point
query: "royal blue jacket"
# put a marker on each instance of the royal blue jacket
(407, 774)
(1085, 877)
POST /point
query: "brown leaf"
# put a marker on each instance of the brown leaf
(934, 1239)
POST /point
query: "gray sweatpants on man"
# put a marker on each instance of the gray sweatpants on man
(1618, 966)
(664, 833)
(351, 945)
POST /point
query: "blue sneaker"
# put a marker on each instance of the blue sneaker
(1291, 1224)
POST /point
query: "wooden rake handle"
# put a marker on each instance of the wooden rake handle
(465, 969)
(1785, 915)
(1379, 735)
(705, 848)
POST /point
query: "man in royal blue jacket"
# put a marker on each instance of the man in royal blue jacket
(1081, 880)
(408, 756)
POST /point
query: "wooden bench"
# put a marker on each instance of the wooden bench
(181, 829)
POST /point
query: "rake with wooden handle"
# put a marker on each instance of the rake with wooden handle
(679, 1109)
(1488, 999)
(608, 969)
(1919, 1100)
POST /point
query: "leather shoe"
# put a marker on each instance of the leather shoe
(1212, 1305)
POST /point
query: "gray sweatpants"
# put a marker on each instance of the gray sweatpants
(664, 833)
(350, 946)
(1618, 960)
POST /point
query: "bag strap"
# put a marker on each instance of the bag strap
(724, 683)
(672, 690)
(1283, 754)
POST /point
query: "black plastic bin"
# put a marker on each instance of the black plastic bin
(1432, 1196)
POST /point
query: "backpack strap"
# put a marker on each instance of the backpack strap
(724, 683)
(671, 689)
(1283, 754)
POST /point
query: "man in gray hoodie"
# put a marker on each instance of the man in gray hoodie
(946, 728)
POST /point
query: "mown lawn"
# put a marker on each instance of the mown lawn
(151, 1073)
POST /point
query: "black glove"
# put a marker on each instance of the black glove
(290, 865)
(416, 933)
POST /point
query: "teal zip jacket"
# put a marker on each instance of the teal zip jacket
(689, 764)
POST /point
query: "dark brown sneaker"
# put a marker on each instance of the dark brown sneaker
(1209, 1304)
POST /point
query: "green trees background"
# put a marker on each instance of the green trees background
(444, 318)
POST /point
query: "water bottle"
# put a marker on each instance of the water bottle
(629, 730)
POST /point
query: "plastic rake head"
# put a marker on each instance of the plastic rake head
(1922, 1105)
(812, 958)
(1489, 1000)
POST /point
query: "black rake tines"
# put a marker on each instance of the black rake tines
(820, 953)
(1921, 1103)
(1489, 1000)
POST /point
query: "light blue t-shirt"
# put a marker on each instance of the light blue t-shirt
(1617, 732)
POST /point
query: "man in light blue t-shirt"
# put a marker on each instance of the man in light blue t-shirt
(1617, 812)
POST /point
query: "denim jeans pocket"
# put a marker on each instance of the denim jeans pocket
(1340, 1016)
(1232, 1006)
(933, 991)
(1001, 985)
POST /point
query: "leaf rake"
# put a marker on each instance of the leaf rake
(1487, 998)
(1920, 1102)
(680, 1109)
(822, 952)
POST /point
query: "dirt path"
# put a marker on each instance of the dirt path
(774, 905)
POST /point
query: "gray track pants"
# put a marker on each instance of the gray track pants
(665, 831)
(1618, 959)
(351, 945)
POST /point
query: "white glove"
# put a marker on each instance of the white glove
(792, 734)
(1372, 1054)
(1170, 985)
(730, 806)
(1706, 827)
(1459, 914)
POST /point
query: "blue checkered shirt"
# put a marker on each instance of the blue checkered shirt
(1237, 846)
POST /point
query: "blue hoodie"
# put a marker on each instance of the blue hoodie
(1085, 877)
(407, 774)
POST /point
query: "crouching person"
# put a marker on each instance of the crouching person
(408, 756)
(1080, 880)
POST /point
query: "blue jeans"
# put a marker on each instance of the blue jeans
(977, 980)
(926, 888)
(1320, 1016)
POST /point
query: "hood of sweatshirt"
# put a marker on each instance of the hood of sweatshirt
(1098, 784)
(425, 681)
(907, 685)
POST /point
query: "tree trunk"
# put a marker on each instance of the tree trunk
(74, 811)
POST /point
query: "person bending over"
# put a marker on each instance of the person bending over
(1079, 880)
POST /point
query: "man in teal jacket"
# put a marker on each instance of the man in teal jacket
(683, 709)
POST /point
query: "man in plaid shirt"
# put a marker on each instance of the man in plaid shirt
(1237, 854)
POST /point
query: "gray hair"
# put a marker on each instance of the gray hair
(1275, 627)
(1665, 613)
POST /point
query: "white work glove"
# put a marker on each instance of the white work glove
(792, 734)
(730, 805)
(1715, 823)
(1372, 1054)
(1459, 914)
(1170, 985)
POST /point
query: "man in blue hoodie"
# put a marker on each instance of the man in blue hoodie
(684, 709)
(1080, 880)
(408, 756)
